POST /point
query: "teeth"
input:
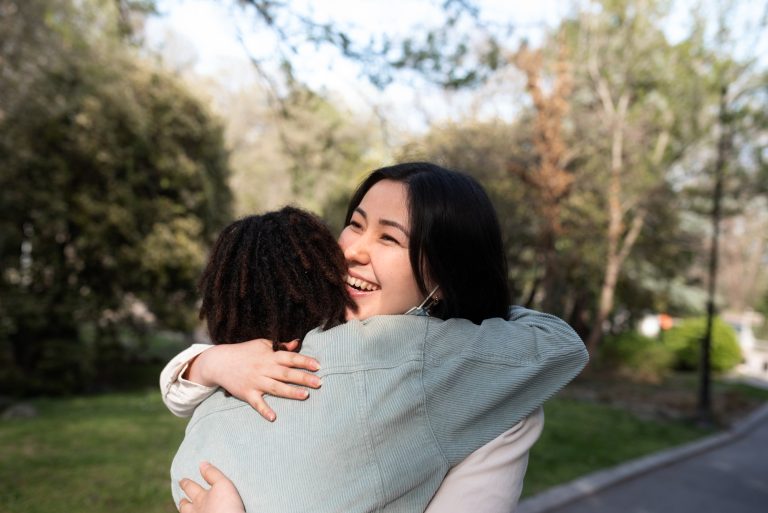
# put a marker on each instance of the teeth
(361, 284)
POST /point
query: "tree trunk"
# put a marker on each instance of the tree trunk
(551, 181)
(606, 303)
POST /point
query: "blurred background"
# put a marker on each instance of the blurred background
(624, 144)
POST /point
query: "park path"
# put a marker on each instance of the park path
(730, 477)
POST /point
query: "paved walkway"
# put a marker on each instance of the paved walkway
(726, 473)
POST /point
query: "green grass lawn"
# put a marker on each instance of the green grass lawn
(621, 421)
(581, 437)
(109, 453)
(112, 453)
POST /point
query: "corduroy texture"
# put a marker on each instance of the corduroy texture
(404, 398)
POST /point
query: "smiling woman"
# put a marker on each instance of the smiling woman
(375, 243)
(451, 231)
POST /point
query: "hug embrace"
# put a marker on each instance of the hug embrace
(427, 386)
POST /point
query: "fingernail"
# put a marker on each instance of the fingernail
(204, 464)
(304, 394)
(183, 483)
(271, 417)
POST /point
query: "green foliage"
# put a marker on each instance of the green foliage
(487, 151)
(306, 153)
(761, 331)
(685, 341)
(454, 50)
(113, 184)
(635, 357)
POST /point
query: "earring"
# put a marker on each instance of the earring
(423, 308)
(431, 300)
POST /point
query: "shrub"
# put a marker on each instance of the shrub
(685, 342)
(635, 357)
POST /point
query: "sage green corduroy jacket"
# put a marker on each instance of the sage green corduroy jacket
(404, 398)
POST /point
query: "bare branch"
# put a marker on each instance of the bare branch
(631, 237)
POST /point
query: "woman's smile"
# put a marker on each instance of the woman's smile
(376, 246)
(357, 284)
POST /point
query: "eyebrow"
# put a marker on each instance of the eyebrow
(385, 222)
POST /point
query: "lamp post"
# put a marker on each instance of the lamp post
(723, 145)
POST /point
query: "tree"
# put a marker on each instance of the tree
(113, 183)
(551, 180)
(627, 112)
(453, 49)
(486, 150)
(306, 154)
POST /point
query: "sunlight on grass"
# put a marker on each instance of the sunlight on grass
(112, 453)
(581, 437)
(97, 454)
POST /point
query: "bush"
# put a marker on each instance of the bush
(635, 357)
(684, 340)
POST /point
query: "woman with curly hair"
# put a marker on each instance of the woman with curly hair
(274, 276)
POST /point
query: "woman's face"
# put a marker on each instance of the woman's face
(375, 245)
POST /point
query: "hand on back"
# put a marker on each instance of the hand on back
(221, 497)
(250, 370)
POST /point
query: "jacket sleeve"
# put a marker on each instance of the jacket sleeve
(479, 381)
(491, 478)
(180, 395)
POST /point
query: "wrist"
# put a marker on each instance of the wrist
(200, 370)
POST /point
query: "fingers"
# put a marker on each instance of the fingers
(185, 506)
(296, 360)
(278, 389)
(211, 474)
(296, 377)
(191, 488)
(293, 345)
(256, 400)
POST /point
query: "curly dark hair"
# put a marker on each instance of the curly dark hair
(274, 276)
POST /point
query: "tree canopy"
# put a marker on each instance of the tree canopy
(114, 181)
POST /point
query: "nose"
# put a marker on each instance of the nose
(355, 250)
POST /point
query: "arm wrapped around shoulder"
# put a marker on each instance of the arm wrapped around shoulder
(181, 396)
(480, 380)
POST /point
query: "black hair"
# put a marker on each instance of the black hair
(274, 276)
(455, 239)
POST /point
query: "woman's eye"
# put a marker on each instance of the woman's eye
(355, 224)
(389, 238)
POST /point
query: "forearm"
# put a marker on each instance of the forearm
(247, 370)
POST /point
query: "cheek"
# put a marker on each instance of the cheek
(343, 240)
(406, 279)
(346, 240)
